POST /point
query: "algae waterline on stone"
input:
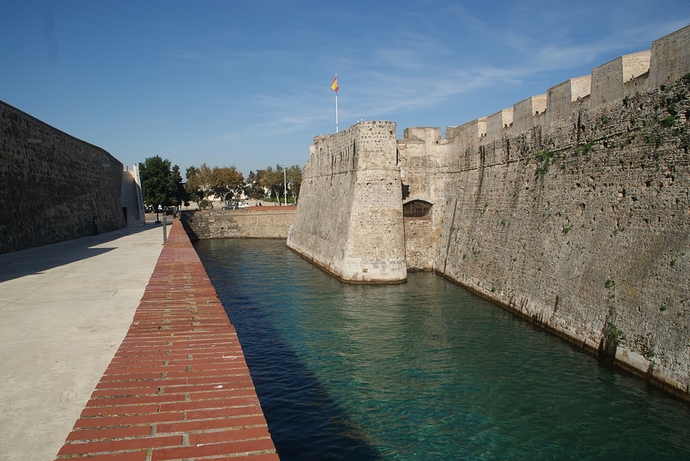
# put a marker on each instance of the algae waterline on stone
(423, 370)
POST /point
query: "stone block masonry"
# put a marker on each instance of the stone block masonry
(571, 209)
(253, 222)
(53, 187)
(178, 387)
(349, 221)
(577, 219)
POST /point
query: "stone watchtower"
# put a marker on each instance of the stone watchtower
(350, 219)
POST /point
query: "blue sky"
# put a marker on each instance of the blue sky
(247, 83)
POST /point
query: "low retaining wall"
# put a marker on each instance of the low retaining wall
(178, 386)
(254, 222)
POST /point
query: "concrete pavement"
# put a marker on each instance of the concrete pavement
(64, 310)
(178, 386)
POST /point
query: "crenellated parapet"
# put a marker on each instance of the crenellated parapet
(570, 208)
(613, 81)
(670, 58)
(667, 61)
(499, 125)
(529, 113)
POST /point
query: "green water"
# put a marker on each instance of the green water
(424, 371)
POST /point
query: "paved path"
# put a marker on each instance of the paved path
(178, 387)
(64, 310)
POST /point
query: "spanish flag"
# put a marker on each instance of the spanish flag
(334, 85)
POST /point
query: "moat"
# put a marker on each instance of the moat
(423, 370)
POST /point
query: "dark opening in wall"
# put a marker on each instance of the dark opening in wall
(416, 209)
(405, 191)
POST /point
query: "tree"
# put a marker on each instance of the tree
(205, 173)
(193, 184)
(198, 184)
(272, 179)
(225, 181)
(181, 195)
(294, 180)
(252, 187)
(159, 183)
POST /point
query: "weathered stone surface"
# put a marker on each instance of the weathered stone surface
(575, 215)
(584, 228)
(270, 222)
(52, 185)
(349, 220)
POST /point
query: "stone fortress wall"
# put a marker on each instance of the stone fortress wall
(571, 208)
(348, 175)
(52, 185)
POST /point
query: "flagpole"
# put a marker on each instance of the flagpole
(335, 82)
(336, 111)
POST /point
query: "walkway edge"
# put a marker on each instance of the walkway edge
(178, 387)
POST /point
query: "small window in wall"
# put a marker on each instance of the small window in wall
(417, 209)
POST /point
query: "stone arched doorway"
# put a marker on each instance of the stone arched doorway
(417, 209)
(418, 235)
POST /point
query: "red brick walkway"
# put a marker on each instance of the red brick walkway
(178, 387)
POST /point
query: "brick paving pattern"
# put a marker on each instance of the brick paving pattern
(178, 387)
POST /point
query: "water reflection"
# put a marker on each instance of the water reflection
(423, 370)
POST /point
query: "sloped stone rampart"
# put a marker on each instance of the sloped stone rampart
(52, 185)
(584, 228)
(349, 220)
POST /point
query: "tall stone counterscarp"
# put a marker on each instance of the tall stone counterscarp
(349, 221)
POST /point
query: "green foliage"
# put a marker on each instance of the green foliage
(543, 158)
(198, 184)
(613, 334)
(221, 181)
(541, 170)
(567, 229)
(226, 181)
(610, 285)
(272, 181)
(669, 121)
(672, 109)
(161, 185)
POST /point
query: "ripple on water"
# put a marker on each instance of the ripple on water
(423, 370)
